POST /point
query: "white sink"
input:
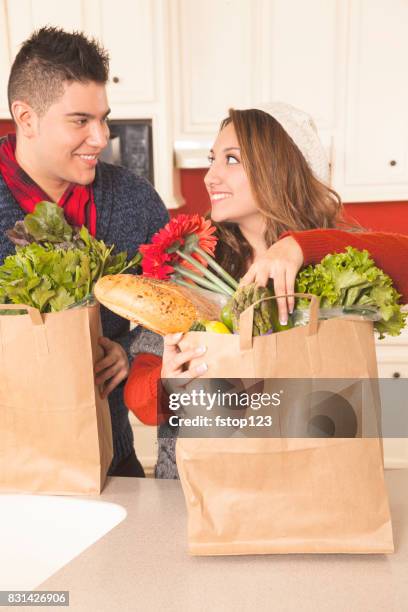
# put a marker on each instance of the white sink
(40, 534)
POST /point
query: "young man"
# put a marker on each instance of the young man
(57, 99)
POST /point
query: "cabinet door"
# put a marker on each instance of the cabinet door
(392, 358)
(17, 22)
(375, 163)
(395, 453)
(299, 61)
(4, 59)
(145, 442)
(25, 16)
(126, 28)
(246, 53)
(213, 59)
(395, 449)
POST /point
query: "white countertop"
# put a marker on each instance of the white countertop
(142, 564)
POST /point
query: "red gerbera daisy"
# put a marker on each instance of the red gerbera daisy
(182, 233)
(155, 262)
(174, 234)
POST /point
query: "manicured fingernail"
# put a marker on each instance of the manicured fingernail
(291, 310)
(283, 322)
(200, 350)
(177, 336)
(202, 368)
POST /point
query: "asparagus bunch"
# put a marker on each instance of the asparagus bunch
(263, 312)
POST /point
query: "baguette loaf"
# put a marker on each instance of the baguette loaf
(161, 306)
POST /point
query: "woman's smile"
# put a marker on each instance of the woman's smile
(216, 196)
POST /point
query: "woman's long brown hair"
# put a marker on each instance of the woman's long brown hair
(284, 187)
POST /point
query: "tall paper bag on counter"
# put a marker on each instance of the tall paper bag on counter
(55, 430)
(287, 494)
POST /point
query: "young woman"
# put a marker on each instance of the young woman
(274, 213)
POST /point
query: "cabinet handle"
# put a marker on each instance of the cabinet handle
(396, 375)
(393, 162)
(116, 80)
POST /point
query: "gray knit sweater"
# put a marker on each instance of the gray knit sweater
(129, 212)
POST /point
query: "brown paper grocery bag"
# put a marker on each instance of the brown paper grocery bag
(55, 430)
(288, 494)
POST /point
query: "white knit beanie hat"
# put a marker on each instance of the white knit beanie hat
(302, 130)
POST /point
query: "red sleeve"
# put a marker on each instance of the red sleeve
(140, 393)
(389, 251)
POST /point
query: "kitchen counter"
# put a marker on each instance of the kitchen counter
(142, 564)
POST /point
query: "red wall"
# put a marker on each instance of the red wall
(385, 216)
(6, 127)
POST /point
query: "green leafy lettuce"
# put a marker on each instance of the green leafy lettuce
(351, 280)
(55, 265)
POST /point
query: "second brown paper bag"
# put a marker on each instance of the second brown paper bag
(288, 495)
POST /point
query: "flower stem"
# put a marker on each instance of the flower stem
(215, 266)
(198, 279)
(181, 282)
(207, 274)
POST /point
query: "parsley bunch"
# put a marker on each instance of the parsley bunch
(55, 265)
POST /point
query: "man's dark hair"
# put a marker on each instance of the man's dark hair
(48, 59)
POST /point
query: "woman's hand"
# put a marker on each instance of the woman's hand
(175, 359)
(113, 367)
(281, 262)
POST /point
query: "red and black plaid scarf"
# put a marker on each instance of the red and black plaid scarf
(77, 200)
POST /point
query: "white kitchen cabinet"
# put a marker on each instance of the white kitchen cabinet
(343, 61)
(215, 54)
(4, 59)
(183, 63)
(371, 145)
(25, 16)
(392, 355)
(247, 52)
(127, 29)
(392, 358)
(145, 442)
(243, 53)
